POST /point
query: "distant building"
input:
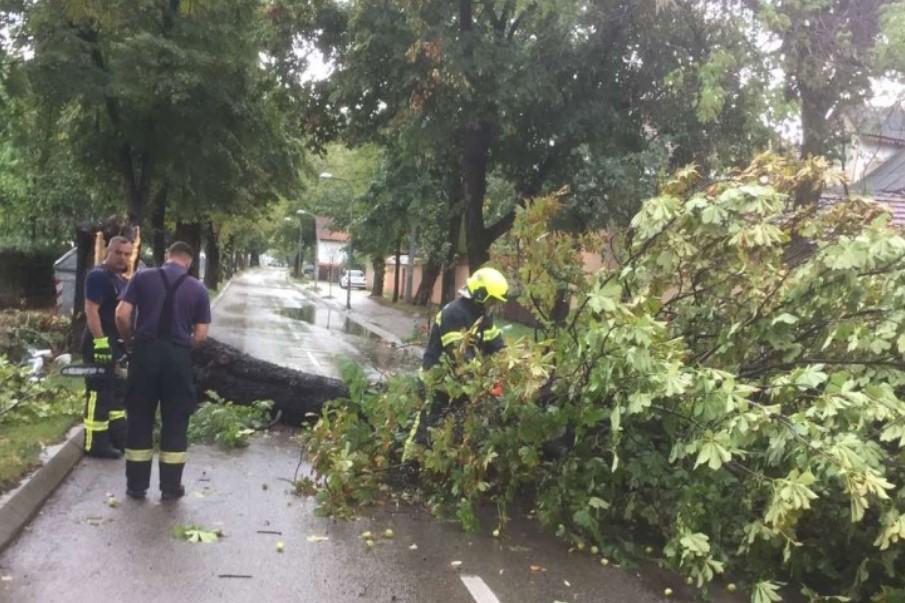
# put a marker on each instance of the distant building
(330, 253)
(878, 134)
(875, 161)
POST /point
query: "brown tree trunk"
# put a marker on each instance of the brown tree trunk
(190, 232)
(84, 242)
(429, 273)
(242, 379)
(212, 253)
(410, 273)
(136, 180)
(380, 268)
(453, 228)
(398, 266)
(158, 226)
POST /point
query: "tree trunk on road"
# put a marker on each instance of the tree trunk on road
(380, 268)
(243, 379)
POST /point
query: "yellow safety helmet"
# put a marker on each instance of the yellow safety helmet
(487, 283)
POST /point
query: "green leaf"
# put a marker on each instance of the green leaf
(765, 591)
(598, 503)
(713, 454)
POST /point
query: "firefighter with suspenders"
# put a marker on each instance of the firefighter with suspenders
(173, 315)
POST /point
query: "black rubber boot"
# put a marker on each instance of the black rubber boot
(101, 448)
(171, 481)
(174, 494)
(136, 494)
(117, 431)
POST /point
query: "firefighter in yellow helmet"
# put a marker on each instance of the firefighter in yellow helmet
(469, 314)
(468, 317)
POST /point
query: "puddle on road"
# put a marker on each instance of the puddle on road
(378, 352)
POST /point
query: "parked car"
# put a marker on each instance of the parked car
(357, 278)
(308, 270)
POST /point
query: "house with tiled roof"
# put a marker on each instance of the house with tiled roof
(875, 162)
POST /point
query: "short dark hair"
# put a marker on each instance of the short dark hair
(118, 240)
(181, 247)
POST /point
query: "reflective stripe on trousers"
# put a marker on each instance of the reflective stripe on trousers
(141, 455)
(173, 458)
(91, 426)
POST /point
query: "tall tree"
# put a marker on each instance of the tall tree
(530, 90)
(163, 96)
(827, 53)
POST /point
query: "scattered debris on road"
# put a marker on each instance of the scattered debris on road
(194, 533)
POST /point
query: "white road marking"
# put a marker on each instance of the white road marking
(479, 589)
(314, 361)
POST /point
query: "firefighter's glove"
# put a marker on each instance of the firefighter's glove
(102, 352)
(497, 390)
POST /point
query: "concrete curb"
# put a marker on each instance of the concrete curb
(216, 299)
(363, 322)
(18, 507)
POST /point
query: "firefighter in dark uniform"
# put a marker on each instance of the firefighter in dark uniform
(105, 419)
(173, 315)
(469, 313)
(467, 317)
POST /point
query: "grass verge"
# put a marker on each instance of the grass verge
(21, 446)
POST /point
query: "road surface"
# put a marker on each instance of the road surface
(266, 316)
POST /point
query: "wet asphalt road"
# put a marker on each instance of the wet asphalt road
(266, 316)
(81, 549)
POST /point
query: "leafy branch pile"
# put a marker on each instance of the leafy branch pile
(24, 400)
(729, 386)
(219, 421)
(20, 330)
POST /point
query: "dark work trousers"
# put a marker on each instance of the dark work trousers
(105, 417)
(160, 372)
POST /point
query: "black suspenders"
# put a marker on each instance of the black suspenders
(165, 322)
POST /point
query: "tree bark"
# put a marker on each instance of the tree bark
(84, 242)
(429, 273)
(380, 267)
(212, 252)
(453, 230)
(242, 379)
(398, 266)
(136, 181)
(190, 232)
(255, 258)
(158, 226)
(476, 155)
(410, 273)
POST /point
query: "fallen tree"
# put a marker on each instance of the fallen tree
(718, 407)
(242, 379)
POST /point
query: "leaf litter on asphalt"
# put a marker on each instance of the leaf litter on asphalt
(195, 533)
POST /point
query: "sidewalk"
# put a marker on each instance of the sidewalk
(391, 324)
